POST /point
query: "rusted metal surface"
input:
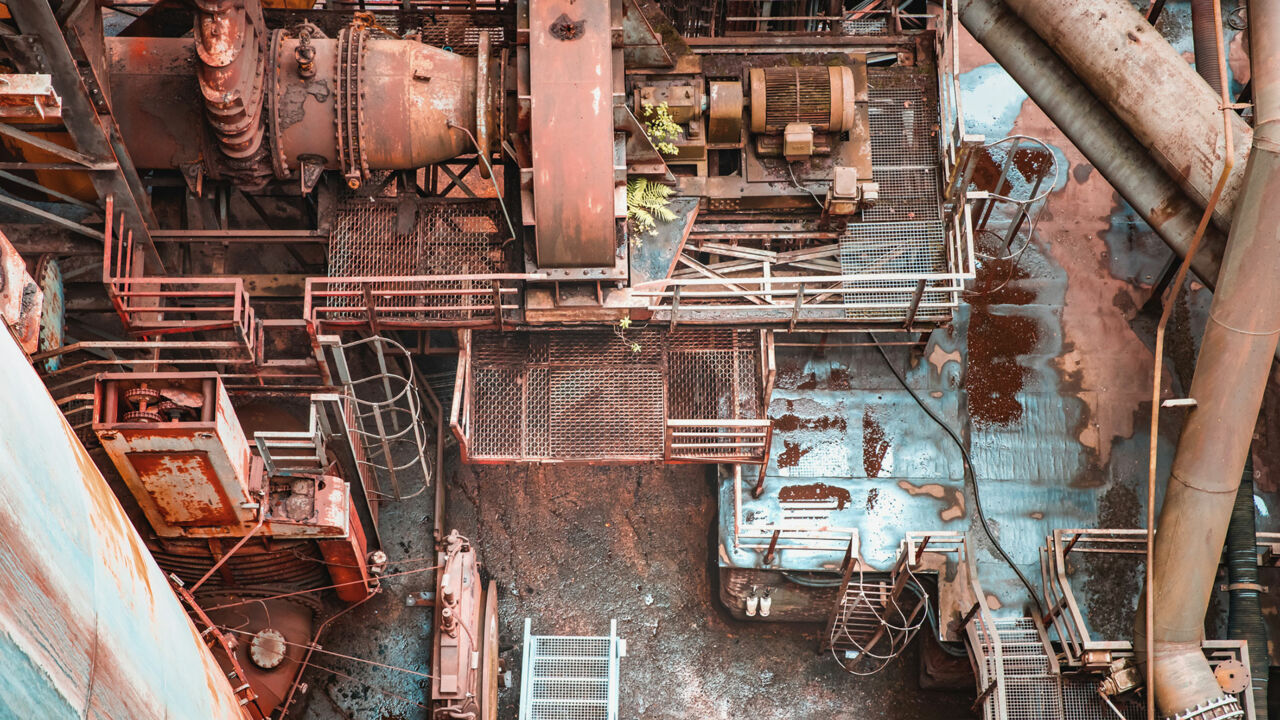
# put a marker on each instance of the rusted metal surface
(88, 622)
(597, 396)
(1235, 358)
(21, 299)
(157, 306)
(347, 560)
(270, 668)
(29, 97)
(367, 103)
(402, 97)
(571, 84)
(1134, 72)
(459, 606)
(1108, 145)
(230, 41)
(177, 444)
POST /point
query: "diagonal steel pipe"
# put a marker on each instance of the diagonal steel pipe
(1149, 87)
(1231, 371)
(1094, 130)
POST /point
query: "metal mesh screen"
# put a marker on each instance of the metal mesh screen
(914, 248)
(590, 395)
(569, 678)
(904, 118)
(445, 238)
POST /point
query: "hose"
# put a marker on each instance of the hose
(969, 475)
(1244, 622)
(1204, 32)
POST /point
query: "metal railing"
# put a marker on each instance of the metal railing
(413, 302)
(806, 534)
(1063, 615)
(781, 288)
(154, 306)
(385, 413)
(608, 395)
(705, 441)
(876, 615)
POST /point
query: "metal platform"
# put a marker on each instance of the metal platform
(609, 396)
(414, 263)
(904, 262)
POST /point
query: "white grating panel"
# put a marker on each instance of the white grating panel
(570, 678)
(912, 249)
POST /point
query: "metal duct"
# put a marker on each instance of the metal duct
(1107, 143)
(1244, 620)
(1138, 75)
(1231, 372)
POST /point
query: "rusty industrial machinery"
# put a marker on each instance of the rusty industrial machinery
(299, 273)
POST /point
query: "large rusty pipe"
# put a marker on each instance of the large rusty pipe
(1112, 149)
(390, 105)
(88, 624)
(1149, 87)
(1231, 372)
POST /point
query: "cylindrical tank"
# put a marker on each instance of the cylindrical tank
(89, 627)
(367, 104)
(371, 103)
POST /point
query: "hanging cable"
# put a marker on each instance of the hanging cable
(971, 478)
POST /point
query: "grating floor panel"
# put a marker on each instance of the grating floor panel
(904, 232)
(590, 395)
(445, 238)
(569, 678)
(912, 249)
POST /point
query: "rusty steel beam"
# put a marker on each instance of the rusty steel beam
(1141, 78)
(1231, 373)
(1107, 143)
(571, 81)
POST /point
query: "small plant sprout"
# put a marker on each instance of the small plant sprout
(662, 130)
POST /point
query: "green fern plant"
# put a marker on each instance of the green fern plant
(647, 203)
(661, 128)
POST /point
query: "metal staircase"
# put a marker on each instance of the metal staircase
(1019, 674)
(570, 678)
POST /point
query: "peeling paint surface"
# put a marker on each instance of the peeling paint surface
(1045, 376)
(88, 625)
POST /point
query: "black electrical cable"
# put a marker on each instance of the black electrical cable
(971, 478)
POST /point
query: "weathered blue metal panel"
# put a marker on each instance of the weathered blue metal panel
(88, 625)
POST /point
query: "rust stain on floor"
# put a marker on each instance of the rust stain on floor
(1104, 361)
(791, 422)
(791, 454)
(816, 492)
(953, 498)
(874, 445)
(996, 339)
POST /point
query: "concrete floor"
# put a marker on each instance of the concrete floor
(573, 548)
